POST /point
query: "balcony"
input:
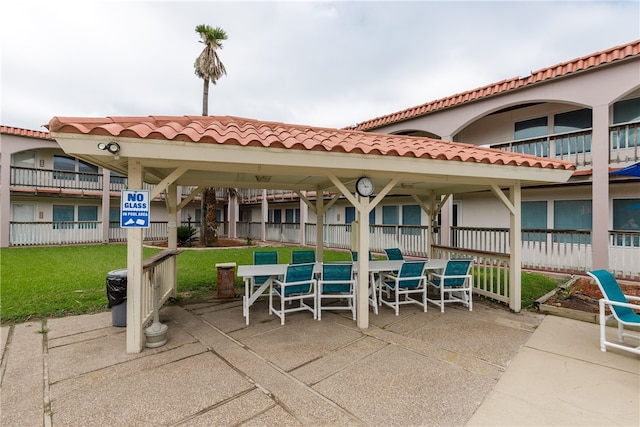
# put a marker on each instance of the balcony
(624, 145)
(41, 181)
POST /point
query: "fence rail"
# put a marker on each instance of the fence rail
(490, 270)
(565, 251)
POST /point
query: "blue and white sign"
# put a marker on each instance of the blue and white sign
(134, 209)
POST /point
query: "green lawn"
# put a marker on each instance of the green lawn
(39, 282)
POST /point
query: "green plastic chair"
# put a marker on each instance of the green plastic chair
(455, 284)
(298, 284)
(304, 256)
(409, 280)
(337, 284)
(261, 258)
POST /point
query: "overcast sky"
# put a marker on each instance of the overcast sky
(320, 63)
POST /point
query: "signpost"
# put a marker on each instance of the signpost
(134, 209)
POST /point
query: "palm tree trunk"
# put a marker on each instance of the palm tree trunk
(205, 98)
(209, 222)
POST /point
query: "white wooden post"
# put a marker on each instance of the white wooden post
(135, 335)
(319, 226)
(362, 293)
(515, 268)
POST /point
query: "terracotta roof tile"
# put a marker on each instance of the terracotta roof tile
(24, 132)
(249, 132)
(563, 69)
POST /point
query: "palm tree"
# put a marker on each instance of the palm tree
(209, 68)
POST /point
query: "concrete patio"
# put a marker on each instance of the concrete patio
(486, 367)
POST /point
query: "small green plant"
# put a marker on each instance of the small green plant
(250, 240)
(185, 235)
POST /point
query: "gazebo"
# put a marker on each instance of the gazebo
(224, 151)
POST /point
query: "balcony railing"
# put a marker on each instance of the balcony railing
(54, 180)
(625, 143)
(572, 146)
(624, 140)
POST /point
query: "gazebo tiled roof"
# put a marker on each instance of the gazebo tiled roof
(239, 131)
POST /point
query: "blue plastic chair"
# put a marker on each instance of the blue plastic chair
(301, 257)
(261, 258)
(621, 310)
(394, 254)
(338, 284)
(354, 256)
(455, 283)
(409, 280)
(298, 285)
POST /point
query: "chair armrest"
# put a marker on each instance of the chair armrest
(456, 276)
(632, 297)
(621, 304)
(390, 276)
(403, 279)
(336, 282)
(302, 282)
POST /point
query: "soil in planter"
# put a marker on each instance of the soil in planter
(584, 294)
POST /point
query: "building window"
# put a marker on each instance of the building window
(292, 216)
(572, 215)
(626, 217)
(533, 128)
(64, 168)
(87, 216)
(626, 111)
(114, 217)
(389, 217)
(534, 217)
(87, 172)
(572, 121)
(411, 215)
(117, 178)
(63, 216)
(350, 215)
(626, 214)
(277, 216)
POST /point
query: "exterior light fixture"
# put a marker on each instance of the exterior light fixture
(263, 178)
(112, 147)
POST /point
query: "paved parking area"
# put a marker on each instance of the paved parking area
(486, 367)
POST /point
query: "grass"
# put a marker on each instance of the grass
(41, 282)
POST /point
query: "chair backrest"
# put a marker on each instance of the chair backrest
(611, 290)
(411, 269)
(300, 257)
(354, 256)
(299, 272)
(394, 254)
(265, 257)
(457, 267)
(337, 271)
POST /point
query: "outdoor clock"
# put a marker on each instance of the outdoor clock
(364, 186)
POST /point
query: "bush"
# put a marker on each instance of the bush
(185, 235)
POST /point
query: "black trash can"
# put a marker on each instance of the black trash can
(117, 296)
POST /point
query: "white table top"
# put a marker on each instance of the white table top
(375, 266)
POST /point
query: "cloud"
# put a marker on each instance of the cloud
(321, 63)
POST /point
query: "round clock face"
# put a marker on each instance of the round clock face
(364, 186)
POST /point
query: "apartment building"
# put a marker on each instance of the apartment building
(586, 110)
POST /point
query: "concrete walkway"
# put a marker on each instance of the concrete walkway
(486, 367)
